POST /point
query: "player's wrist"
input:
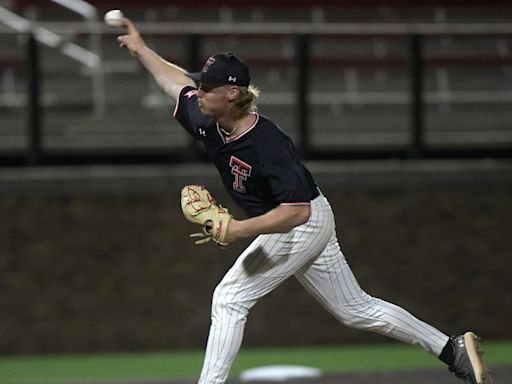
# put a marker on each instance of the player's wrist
(237, 230)
(138, 49)
(232, 232)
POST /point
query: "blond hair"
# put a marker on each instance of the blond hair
(246, 102)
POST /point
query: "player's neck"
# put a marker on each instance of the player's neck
(230, 128)
(236, 127)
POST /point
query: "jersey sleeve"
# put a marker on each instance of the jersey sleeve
(287, 177)
(187, 112)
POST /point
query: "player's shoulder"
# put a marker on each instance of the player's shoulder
(187, 98)
(271, 132)
(188, 113)
(188, 91)
(272, 141)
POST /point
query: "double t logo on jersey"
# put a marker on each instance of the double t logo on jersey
(241, 170)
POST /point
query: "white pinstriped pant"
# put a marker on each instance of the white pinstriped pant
(311, 253)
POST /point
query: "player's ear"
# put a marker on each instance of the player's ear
(233, 92)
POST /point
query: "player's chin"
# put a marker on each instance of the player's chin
(207, 112)
(204, 110)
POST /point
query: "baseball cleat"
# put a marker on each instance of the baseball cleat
(468, 364)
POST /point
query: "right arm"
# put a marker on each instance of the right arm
(170, 77)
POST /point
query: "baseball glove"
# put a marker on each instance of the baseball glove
(199, 207)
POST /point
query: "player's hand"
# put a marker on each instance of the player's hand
(205, 236)
(199, 207)
(132, 40)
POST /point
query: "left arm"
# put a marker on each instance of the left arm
(279, 220)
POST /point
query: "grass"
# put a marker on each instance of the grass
(133, 366)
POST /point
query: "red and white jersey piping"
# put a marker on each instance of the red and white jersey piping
(178, 100)
(299, 203)
(229, 139)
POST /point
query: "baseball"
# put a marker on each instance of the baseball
(114, 18)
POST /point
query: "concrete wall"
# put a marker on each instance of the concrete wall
(98, 258)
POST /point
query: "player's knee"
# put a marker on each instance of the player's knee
(227, 305)
(359, 313)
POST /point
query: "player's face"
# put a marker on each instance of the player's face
(214, 99)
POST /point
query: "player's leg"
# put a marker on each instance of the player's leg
(266, 263)
(331, 281)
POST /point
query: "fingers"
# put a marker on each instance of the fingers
(124, 42)
(121, 39)
(131, 37)
(130, 29)
(127, 23)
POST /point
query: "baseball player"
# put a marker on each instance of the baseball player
(290, 218)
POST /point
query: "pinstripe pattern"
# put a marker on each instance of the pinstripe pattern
(311, 253)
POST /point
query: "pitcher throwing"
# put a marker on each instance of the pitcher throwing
(290, 218)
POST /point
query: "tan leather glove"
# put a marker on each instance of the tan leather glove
(199, 207)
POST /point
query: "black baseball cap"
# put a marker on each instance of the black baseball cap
(223, 68)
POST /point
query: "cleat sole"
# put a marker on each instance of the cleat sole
(475, 356)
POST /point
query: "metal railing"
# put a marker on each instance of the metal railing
(90, 58)
(293, 28)
(300, 58)
(90, 15)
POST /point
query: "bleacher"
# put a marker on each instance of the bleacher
(359, 91)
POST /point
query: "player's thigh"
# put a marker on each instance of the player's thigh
(265, 264)
(330, 280)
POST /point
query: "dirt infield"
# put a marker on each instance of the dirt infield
(501, 375)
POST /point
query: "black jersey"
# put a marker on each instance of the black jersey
(259, 168)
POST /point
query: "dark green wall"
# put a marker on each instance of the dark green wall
(86, 270)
